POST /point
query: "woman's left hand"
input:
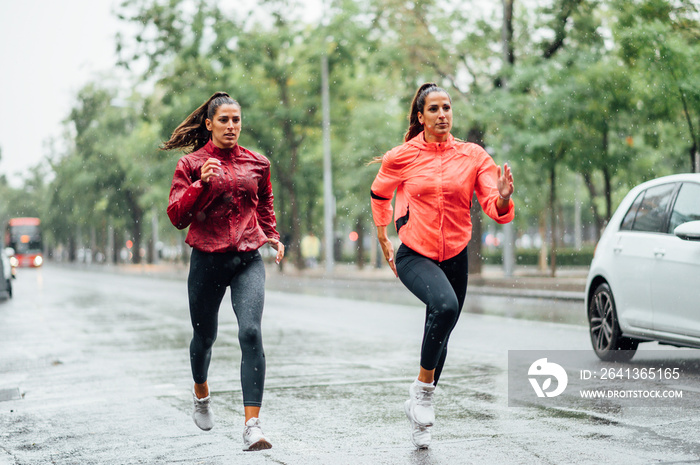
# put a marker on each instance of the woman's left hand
(505, 182)
(277, 245)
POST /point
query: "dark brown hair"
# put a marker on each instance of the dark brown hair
(192, 134)
(417, 106)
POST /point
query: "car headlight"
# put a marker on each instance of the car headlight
(14, 262)
(38, 260)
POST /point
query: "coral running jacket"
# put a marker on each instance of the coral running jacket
(435, 183)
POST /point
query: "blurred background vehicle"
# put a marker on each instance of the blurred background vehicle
(6, 273)
(24, 236)
(644, 280)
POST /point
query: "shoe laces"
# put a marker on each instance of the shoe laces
(202, 405)
(253, 428)
(424, 397)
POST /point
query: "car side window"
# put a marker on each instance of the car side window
(652, 213)
(687, 206)
(628, 220)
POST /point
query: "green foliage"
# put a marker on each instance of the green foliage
(598, 96)
(531, 257)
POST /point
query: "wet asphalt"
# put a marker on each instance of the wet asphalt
(94, 369)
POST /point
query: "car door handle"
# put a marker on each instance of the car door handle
(617, 249)
(659, 253)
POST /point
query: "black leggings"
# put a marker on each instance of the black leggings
(442, 287)
(210, 274)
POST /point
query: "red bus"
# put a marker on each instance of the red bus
(24, 235)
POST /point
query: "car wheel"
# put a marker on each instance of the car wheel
(9, 288)
(606, 336)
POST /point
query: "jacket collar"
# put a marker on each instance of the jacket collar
(224, 154)
(420, 143)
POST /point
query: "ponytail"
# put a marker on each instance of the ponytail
(192, 134)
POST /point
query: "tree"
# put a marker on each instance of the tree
(661, 42)
(571, 88)
(108, 172)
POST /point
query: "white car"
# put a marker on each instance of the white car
(644, 280)
(6, 272)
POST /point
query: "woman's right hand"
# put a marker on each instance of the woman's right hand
(210, 169)
(387, 248)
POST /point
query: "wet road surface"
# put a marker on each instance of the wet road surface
(101, 366)
(392, 291)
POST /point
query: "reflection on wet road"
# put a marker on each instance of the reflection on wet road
(392, 291)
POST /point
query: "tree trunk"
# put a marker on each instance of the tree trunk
(112, 253)
(153, 249)
(136, 229)
(606, 176)
(136, 232)
(476, 136)
(287, 177)
(71, 248)
(507, 32)
(296, 230)
(93, 243)
(553, 219)
(578, 226)
(79, 246)
(474, 249)
(592, 193)
(560, 28)
(360, 243)
(608, 194)
(542, 261)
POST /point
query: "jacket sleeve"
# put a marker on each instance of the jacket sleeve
(486, 188)
(383, 187)
(186, 196)
(265, 208)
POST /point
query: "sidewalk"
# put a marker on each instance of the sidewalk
(568, 284)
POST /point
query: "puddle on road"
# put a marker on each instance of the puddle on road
(10, 394)
(535, 309)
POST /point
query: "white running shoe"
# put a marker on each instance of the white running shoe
(419, 406)
(203, 416)
(420, 435)
(253, 437)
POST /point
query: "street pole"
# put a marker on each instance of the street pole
(111, 253)
(154, 232)
(578, 227)
(508, 231)
(508, 250)
(328, 200)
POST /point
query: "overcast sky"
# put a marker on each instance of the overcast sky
(48, 50)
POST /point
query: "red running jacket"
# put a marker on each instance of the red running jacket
(232, 212)
(435, 183)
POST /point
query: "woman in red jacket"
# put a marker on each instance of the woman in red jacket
(434, 177)
(222, 192)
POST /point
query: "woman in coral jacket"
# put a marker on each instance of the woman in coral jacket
(435, 176)
(222, 192)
